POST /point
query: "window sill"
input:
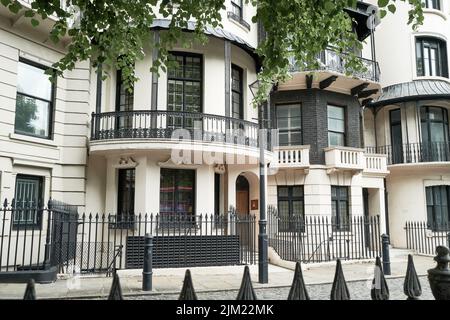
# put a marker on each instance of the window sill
(435, 12)
(41, 141)
(239, 22)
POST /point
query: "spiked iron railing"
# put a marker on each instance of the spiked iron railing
(439, 279)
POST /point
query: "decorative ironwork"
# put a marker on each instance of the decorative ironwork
(414, 152)
(423, 237)
(380, 290)
(339, 290)
(331, 60)
(30, 291)
(411, 287)
(161, 124)
(298, 289)
(246, 291)
(439, 277)
(116, 290)
(187, 291)
(317, 239)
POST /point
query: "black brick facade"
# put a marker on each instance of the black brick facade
(314, 118)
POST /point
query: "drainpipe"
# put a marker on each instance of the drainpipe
(386, 207)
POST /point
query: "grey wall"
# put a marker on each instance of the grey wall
(314, 117)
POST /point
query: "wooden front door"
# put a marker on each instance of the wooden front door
(242, 204)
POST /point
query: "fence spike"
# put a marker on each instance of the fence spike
(5, 203)
(116, 290)
(30, 291)
(411, 286)
(298, 288)
(187, 291)
(380, 290)
(339, 290)
(246, 291)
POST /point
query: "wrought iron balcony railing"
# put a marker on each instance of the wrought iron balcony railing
(330, 60)
(415, 152)
(162, 124)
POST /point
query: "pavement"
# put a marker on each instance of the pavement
(211, 279)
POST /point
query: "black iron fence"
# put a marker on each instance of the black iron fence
(87, 243)
(161, 124)
(414, 152)
(35, 238)
(322, 238)
(424, 237)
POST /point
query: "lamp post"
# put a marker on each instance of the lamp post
(263, 266)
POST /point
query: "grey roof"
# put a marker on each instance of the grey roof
(414, 90)
(215, 32)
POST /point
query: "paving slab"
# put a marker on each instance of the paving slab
(209, 279)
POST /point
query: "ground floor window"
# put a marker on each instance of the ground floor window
(125, 196)
(291, 208)
(177, 195)
(438, 212)
(340, 215)
(28, 200)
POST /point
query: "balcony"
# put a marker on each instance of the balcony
(375, 164)
(415, 152)
(344, 159)
(293, 157)
(332, 75)
(162, 129)
(329, 60)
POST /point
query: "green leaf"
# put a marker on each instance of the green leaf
(34, 22)
(392, 8)
(5, 2)
(383, 3)
(382, 13)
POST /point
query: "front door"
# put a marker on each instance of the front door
(242, 210)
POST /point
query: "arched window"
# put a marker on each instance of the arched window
(435, 135)
(433, 4)
(431, 57)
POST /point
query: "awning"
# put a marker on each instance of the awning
(214, 32)
(412, 91)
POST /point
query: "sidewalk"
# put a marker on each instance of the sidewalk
(169, 281)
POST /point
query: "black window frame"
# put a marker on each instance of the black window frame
(21, 208)
(125, 220)
(240, 71)
(292, 224)
(289, 130)
(167, 218)
(336, 220)
(431, 216)
(127, 119)
(397, 149)
(344, 133)
(434, 150)
(51, 102)
(441, 47)
(183, 79)
(237, 13)
(433, 4)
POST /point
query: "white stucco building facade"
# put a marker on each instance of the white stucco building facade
(91, 144)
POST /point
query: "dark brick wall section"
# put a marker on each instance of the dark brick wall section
(314, 117)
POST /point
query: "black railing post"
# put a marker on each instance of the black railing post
(385, 253)
(47, 237)
(147, 273)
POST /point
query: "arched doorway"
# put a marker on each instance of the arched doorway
(242, 196)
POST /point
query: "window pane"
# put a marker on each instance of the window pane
(297, 208)
(336, 139)
(297, 191)
(32, 116)
(283, 191)
(336, 112)
(336, 125)
(28, 197)
(33, 81)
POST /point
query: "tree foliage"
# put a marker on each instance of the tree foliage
(116, 32)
